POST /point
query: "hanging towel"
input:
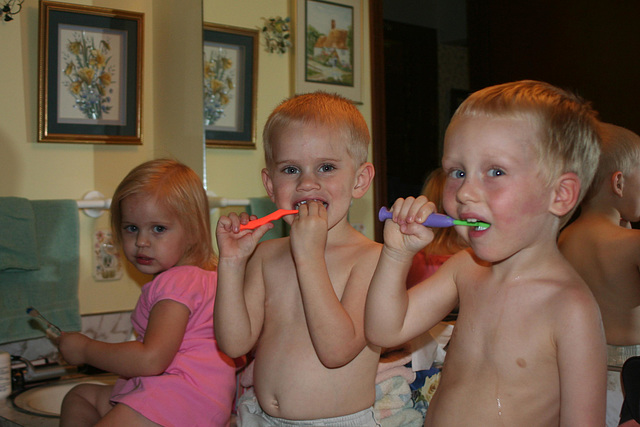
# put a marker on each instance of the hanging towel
(53, 288)
(261, 206)
(18, 246)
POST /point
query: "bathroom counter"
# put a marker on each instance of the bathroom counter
(11, 417)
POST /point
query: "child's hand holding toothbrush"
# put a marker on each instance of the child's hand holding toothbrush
(235, 237)
(404, 234)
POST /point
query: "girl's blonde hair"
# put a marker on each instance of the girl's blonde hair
(567, 139)
(177, 188)
(620, 152)
(321, 109)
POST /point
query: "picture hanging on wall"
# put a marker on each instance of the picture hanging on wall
(328, 47)
(230, 86)
(89, 74)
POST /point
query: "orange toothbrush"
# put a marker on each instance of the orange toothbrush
(265, 219)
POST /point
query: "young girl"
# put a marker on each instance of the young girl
(174, 373)
(446, 241)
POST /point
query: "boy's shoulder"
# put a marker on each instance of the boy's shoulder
(271, 245)
(360, 242)
(568, 288)
(354, 249)
(598, 230)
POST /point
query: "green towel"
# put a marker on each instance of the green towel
(53, 288)
(18, 246)
(261, 206)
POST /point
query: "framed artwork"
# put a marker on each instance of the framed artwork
(328, 47)
(230, 86)
(89, 74)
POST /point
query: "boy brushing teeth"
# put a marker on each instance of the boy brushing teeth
(299, 301)
(528, 345)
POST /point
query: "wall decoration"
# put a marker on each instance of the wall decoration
(230, 86)
(276, 34)
(90, 74)
(107, 264)
(10, 8)
(328, 47)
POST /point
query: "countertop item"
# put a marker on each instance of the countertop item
(5, 374)
(11, 416)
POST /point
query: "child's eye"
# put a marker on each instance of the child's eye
(159, 228)
(457, 173)
(495, 172)
(130, 228)
(290, 170)
(327, 168)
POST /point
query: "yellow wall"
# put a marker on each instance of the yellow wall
(68, 171)
(235, 173)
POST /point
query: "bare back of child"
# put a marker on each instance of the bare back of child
(299, 301)
(527, 347)
(606, 254)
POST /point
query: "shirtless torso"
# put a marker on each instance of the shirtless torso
(290, 380)
(514, 343)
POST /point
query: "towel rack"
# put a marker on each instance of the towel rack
(94, 203)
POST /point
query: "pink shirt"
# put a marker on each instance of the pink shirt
(198, 387)
(424, 266)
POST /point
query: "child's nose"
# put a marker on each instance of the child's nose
(468, 191)
(142, 240)
(308, 181)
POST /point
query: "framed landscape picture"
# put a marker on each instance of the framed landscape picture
(328, 47)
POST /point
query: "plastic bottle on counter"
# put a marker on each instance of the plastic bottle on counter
(5, 374)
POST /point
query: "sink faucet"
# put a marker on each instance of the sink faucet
(32, 373)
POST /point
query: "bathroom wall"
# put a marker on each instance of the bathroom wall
(68, 171)
(236, 173)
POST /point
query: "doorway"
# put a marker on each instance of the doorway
(404, 89)
(411, 107)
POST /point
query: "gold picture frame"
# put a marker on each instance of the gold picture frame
(89, 74)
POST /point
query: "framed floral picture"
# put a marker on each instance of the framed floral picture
(328, 47)
(230, 86)
(89, 74)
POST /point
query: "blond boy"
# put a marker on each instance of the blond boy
(528, 347)
(299, 301)
(606, 253)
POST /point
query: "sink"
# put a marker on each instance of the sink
(46, 400)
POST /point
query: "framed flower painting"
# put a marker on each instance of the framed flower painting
(230, 86)
(89, 74)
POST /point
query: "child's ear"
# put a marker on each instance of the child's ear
(268, 184)
(565, 195)
(617, 183)
(364, 178)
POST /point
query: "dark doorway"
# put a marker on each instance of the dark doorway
(411, 104)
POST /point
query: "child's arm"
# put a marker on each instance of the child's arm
(165, 331)
(581, 361)
(239, 305)
(335, 322)
(388, 315)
